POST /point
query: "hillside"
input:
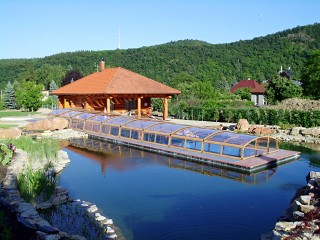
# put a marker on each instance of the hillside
(259, 58)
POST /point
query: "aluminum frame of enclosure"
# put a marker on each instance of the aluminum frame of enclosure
(194, 139)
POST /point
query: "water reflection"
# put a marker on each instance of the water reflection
(121, 158)
(311, 149)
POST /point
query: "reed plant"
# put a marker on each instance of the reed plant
(38, 148)
(34, 184)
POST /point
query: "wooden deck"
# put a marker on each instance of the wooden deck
(248, 166)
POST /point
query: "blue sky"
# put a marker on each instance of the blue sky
(39, 28)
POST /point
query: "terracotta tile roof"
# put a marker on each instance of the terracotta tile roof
(252, 84)
(115, 81)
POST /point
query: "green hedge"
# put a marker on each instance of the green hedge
(262, 116)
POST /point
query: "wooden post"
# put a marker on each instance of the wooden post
(165, 109)
(139, 107)
(108, 105)
(66, 103)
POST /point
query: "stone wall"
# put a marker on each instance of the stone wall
(27, 213)
(302, 219)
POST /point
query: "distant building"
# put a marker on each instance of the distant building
(257, 91)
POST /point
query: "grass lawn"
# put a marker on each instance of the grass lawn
(13, 113)
(5, 126)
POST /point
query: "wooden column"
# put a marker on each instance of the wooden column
(165, 108)
(66, 103)
(139, 107)
(108, 105)
(85, 104)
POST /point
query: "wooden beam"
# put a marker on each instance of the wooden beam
(165, 109)
(108, 105)
(139, 107)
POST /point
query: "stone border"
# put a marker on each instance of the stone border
(27, 214)
(302, 219)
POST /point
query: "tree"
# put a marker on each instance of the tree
(52, 86)
(244, 93)
(46, 73)
(10, 98)
(310, 76)
(29, 95)
(72, 75)
(279, 89)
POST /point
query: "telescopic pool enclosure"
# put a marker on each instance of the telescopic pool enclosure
(241, 152)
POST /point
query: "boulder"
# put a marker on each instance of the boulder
(296, 131)
(47, 124)
(243, 125)
(10, 133)
(59, 123)
(265, 131)
(251, 128)
(312, 175)
(314, 132)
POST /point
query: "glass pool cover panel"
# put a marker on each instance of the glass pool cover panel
(100, 118)
(195, 132)
(85, 115)
(71, 113)
(222, 137)
(241, 139)
(166, 127)
(59, 111)
(141, 124)
(120, 120)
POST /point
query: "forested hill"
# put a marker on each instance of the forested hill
(259, 58)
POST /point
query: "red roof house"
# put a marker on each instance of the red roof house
(252, 84)
(257, 90)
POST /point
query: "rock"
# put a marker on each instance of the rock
(306, 208)
(47, 124)
(59, 123)
(265, 131)
(44, 226)
(40, 235)
(110, 230)
(296, 131)
(305, 199)
(251, 128)
(101, 218)
(10, 133)
(44, 205)
(52, 237)
(314, 132)
(257, 130)
(108, 222)
(286, 226)
(243, 125)
(113, 236)
(298, 214)
(312, 175)
(295, 205)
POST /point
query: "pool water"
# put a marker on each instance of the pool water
(150, 196)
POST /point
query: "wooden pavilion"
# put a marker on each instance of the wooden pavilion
(115, 90)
